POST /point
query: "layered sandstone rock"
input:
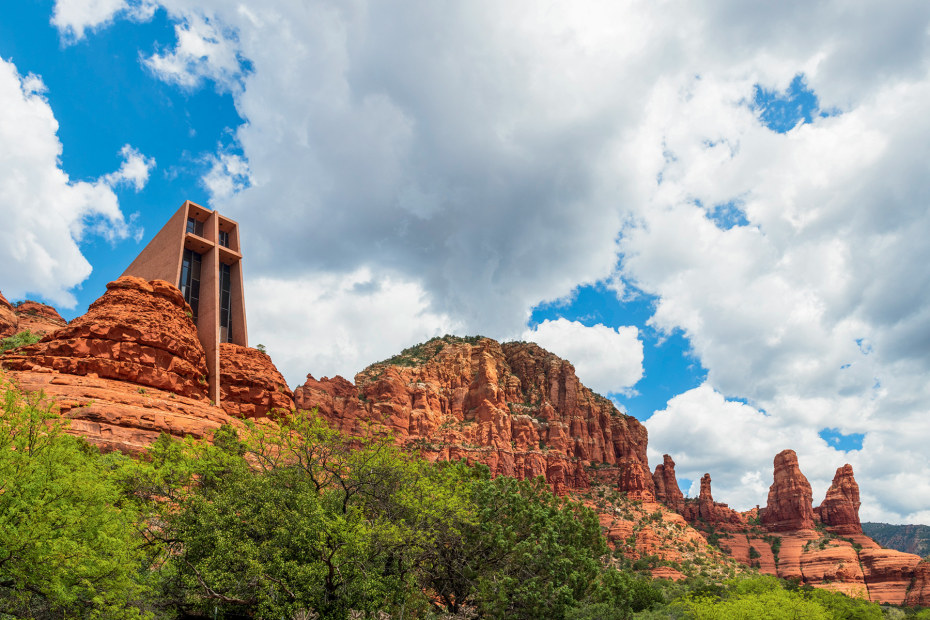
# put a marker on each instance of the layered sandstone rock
(751, 550)
(789, 504)
(8, 319)
(892, 575)
(138, 332)
(840, 509)
(250, 385)
(708, 513)
(38, 318)
(515, 407)
(28, 315)
(919, 591)
(667, 490)
(840, 558)
(115, 415)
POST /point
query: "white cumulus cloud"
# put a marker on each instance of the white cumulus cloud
(44, 213)
(494, 155)
(606, 359)
(329, 325)
(74, 18)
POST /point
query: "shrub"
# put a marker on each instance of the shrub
(22, 339)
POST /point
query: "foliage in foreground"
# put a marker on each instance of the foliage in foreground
(68, 546)
(299, 522)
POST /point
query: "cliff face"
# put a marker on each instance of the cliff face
(840, 508)
(250, 385)
(8, 320)
(129, 370)
(515, 407)
(789, 504)
(139, 332)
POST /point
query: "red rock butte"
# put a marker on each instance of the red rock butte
(199, 251)
(512, 406)
(28, 315)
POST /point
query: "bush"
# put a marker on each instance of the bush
(22, 339)
(67, 536)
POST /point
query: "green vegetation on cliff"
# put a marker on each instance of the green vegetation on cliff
(21, 339)
(908, 538)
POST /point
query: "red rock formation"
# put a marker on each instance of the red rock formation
(38, 318)
(789, 504)
(853, 564)
(139, 332)
(515, 407)
(919, 592)
(751, 550)
(708, 513)
(8, 319)
(840, 509)
(250, 385)
(115, 415)
(667, 490)
(890, 575)
(28, 315)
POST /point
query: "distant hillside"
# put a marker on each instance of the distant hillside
(908, 538)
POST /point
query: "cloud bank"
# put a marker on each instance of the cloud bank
(491, 156)
(44, 213)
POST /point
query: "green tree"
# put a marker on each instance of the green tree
(307, 520)
(67, 539)
(521, 552)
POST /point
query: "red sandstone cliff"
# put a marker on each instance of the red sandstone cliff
(667, 490)
(250, 385)
(139, 332)
(28, 315)
(129, 370)
(789, 504)
(840, 508)
(514, 406)
(8, 319)
(840, 558)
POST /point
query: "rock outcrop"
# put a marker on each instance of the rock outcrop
(116, 415)
(8, 319)
(138, 332)
(28, 315)
(38, 318)
(514, 406)
(667, 490)
(840, 509)
(789, 504)
(705, 512)
(250, 385)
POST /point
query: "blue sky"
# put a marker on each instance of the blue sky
(721, 224)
